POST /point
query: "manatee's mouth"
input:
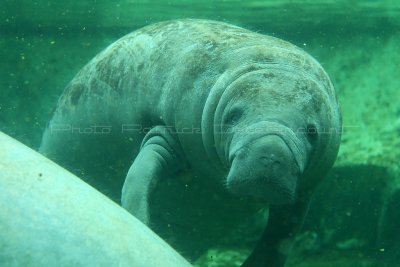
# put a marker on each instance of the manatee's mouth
(272, 192)
(266, 128)
(266, 164)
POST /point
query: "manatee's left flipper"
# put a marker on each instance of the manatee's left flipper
(160, 156)
(274, 246)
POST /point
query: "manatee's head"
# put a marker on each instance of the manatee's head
(270, 118)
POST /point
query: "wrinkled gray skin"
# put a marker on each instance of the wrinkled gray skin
(215, 119)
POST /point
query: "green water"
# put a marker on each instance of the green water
(355, 217)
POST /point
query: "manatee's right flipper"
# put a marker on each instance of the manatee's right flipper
(160, 156)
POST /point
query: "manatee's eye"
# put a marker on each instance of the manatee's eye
(312, 133)
(233, 116)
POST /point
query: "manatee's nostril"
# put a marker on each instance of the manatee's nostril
(270, 160)
(266, 161)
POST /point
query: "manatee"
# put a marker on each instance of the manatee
(49, 217)
(201, 123)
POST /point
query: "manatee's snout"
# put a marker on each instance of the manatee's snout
(266, 168)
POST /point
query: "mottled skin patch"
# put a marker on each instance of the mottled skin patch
(207, 81)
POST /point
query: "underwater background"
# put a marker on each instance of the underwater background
(354, 218)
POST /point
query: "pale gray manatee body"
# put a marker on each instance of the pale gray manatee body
(49, 217)
(215, 119)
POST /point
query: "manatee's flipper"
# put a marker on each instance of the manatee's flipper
(275, 244)
(160, 156)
